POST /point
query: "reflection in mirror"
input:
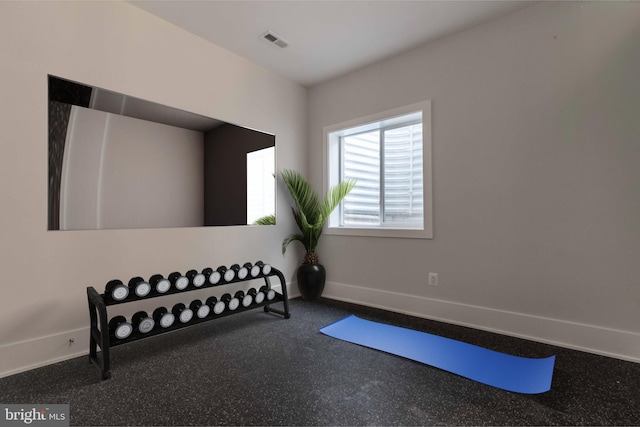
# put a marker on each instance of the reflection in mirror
(260, 184)
(118, 162)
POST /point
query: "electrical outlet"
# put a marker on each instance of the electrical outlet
(433, 279)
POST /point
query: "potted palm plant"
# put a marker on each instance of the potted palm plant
(311, 214)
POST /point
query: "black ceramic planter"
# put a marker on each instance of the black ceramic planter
(311, 279)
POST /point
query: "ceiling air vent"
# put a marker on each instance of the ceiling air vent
(275, 40)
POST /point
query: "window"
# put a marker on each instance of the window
(389, 156)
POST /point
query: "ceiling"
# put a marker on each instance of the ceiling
(326, 38)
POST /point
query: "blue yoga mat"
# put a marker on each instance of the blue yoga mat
(512, 373)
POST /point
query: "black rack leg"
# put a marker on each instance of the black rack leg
(93, 325)
(285, 300)
(99, 333)
(106, 363)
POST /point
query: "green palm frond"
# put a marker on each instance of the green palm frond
(303, 195)
(266, 220)
(309, 213)
(291, 238)
(334, 197)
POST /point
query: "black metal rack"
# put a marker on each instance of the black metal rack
(103, 337)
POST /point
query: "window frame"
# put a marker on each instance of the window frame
(331, 158)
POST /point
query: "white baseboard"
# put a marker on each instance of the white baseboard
(589, 338)
(34, 353)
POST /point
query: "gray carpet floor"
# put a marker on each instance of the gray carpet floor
(256, 368)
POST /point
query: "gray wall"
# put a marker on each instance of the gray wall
(536, 153)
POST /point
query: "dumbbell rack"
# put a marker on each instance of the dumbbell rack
(101, 337)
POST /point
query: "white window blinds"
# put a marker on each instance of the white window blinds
(387, 165)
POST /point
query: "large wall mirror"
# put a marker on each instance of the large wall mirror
(118, 162)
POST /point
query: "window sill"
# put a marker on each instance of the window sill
(379, 232)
